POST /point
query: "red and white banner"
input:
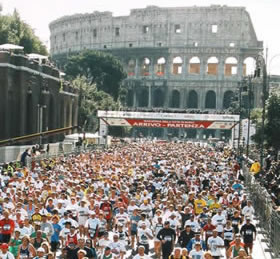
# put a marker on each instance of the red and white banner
(168, 116)
(168, 123)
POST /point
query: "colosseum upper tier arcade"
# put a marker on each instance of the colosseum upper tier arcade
(183, 57)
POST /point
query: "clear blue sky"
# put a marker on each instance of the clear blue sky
(39, 13)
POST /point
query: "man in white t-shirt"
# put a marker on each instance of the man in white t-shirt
(215, 244)
(117, 248)
(196, 253)
(131, 207)
(141, 253)
(143, 236)
(92, 225)
(248, 210)
(219, 221)
(83, 213)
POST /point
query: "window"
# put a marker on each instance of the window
(77, 35)
(178, 28)
(194, 65)
(55, 39)
(232, 45)
(94, 33)
(63, 36)
(105, 46)
(117, 31)
(177, 66)
(212, 66)
(146, 29)
(160, 66)
(145, 68)
(195, 44)
(130, 45)
(230, 66)
(159, 44)
(214, 28)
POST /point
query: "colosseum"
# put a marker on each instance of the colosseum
(176, 58)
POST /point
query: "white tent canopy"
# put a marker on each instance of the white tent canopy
(81, 135)
(36, 56)
(9, 46)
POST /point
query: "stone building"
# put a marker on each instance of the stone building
(32, 98)
(175, 58)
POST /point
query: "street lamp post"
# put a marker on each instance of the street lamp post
(261, 67)
(41, 106)
(249, 114)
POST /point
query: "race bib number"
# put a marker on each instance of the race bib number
(168, 238)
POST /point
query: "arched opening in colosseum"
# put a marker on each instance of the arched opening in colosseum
(160, 66)
(210, 100)
(145, 68)
(129, 98)
(192, 101)
(175, 99)
(177, 66)
(212, 66)
(249, 65)
(194, 65)
(230, 66)
(143, 98)
(131, 67)
(227, 100)
(158, 98)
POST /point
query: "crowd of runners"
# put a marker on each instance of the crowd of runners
(140, 200)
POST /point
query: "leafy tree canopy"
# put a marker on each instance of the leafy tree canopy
(273, 122)
(92, 100)
(102, 69)
(15, 31)
(271, 126)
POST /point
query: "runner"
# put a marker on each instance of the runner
(101, 201)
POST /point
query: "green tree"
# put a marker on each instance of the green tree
(273, 122)
(91, 100)
(15, 31)
(102, 69)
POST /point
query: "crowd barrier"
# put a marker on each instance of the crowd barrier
(55, 155)
(268, 219)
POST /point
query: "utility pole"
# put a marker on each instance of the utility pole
(264, 97)
(249, 114)
(240, 85)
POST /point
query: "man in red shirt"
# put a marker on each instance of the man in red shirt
(7, 227)
(208, 230)
(106, 207)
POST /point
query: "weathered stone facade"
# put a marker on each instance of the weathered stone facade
(27, 88)
(189, 57)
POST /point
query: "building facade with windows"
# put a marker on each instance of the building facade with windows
(33, 99)
(175, 58)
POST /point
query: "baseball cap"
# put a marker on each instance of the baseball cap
(41, 249)
(4, 246)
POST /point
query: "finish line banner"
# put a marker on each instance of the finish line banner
(169, 123)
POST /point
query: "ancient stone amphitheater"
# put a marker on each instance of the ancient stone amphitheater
(175, 58)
